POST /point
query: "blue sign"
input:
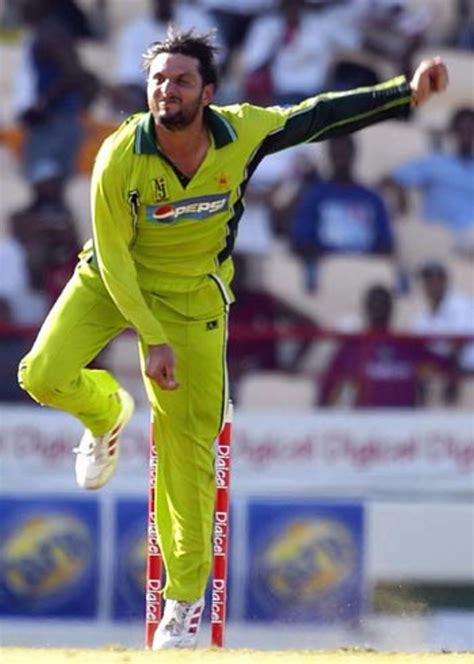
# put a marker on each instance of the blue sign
(306, 561)
(49, 560)
(130, 546)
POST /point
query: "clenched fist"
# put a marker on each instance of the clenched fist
(160, 366)
(430, 78)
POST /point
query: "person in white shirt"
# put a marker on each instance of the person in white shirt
(297, 46)
(234, 19)
(447, 312)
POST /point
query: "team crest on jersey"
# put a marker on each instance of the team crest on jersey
(199, 208)
(222, 181)
(160, 189)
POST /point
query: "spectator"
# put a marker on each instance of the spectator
(288, 52)
(445, 180)
(378, 371)
(47, 230)
(129, 93)
(234, 19)
(54, 89)
(339, 215)
(394, 30)
(446, 312)
(386, 28)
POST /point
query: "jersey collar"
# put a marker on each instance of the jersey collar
(222, 132)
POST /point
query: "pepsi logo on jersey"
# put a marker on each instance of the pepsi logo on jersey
(197, 208)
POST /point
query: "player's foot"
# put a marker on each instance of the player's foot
(179, 627)
(97, 456)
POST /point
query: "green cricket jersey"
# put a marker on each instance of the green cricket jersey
(157, 233)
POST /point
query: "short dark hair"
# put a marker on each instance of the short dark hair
(432, 269)
(192, 44)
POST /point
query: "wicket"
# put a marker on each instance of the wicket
(220, 544)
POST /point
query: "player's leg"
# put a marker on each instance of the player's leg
(186, 424)
(80, 324)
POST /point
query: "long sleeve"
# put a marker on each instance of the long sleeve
(334, 114)
(113, 235)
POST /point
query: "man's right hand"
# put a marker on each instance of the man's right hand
(160, 366)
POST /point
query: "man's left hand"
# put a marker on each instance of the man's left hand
(430, 78)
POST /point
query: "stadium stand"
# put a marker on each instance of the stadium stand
(343, 279)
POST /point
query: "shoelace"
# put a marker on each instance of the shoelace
(95, 449)
(179, 617)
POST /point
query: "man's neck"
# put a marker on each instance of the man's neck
(185, 148)
(185, 141)
(342, 177)
(435, 302)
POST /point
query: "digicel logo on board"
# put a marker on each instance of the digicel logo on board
(198, 208)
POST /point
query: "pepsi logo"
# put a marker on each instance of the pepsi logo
(163, 212)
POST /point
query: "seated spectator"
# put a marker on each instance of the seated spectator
(234, 19)
(128, 95)
(339, 215)
(379, 371)
(395, 30)
(445, 179)
(47, 231)
(53, 89)
(257, 311)
(446, 312)
(288, 52)
(390, 29)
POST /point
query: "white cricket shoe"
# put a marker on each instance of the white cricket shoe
(97, 456)
(179, 627)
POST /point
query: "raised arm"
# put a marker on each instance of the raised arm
(334, 114)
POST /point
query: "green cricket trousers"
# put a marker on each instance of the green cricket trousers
(186, 421)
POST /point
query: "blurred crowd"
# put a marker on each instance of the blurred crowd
(400, 200)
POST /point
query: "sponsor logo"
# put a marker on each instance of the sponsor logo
(306, 560)
(218, 597)
(199, 208)
(220, 534)
(44, 558)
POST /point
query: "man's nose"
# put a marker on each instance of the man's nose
(167, 86)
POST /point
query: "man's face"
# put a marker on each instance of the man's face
(435, 286)
(176, 94)
(378, 309)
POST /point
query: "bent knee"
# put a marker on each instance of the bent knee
(36, 378)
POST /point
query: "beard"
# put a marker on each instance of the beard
(179, 119)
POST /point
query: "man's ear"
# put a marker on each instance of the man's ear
(208, 93)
